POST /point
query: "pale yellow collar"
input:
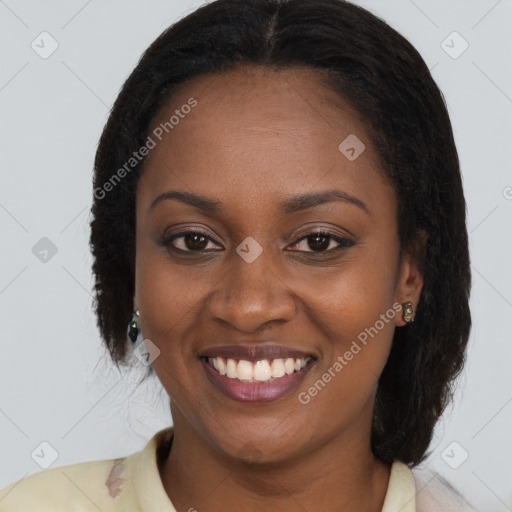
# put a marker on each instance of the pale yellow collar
(401, 494)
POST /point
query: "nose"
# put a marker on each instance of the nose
(251, 295)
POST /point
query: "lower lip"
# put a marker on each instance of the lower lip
(255, 392)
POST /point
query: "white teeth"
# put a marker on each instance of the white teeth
(289, 366)
(262, 371)
(277, 367)
(259, 371)
(221, 365)
(244, 370)
(231, 369)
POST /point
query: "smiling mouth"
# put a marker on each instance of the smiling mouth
(265, 370)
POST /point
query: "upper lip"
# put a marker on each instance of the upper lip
(255, 352)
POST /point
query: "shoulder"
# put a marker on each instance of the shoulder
(435, 494)
(111, 485)
(102, 484)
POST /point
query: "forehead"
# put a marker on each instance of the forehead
(263, 132)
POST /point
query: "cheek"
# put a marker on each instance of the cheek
(169, 306)
(168, 294)
(352, 298)
(354, 309)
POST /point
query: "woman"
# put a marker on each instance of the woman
(279, 230)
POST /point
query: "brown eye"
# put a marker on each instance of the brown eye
(190, 241)
(322, 242)
(319, 242)
(195, 241)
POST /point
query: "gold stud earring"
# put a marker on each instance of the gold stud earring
(408, 312)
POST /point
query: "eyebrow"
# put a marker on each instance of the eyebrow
(289, 205)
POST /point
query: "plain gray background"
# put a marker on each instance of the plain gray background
(56, 383)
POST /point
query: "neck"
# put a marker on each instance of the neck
(339, 475)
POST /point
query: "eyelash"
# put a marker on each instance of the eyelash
(344, 243)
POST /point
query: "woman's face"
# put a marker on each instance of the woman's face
(256, 284)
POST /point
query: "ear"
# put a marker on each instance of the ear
(410, 277)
